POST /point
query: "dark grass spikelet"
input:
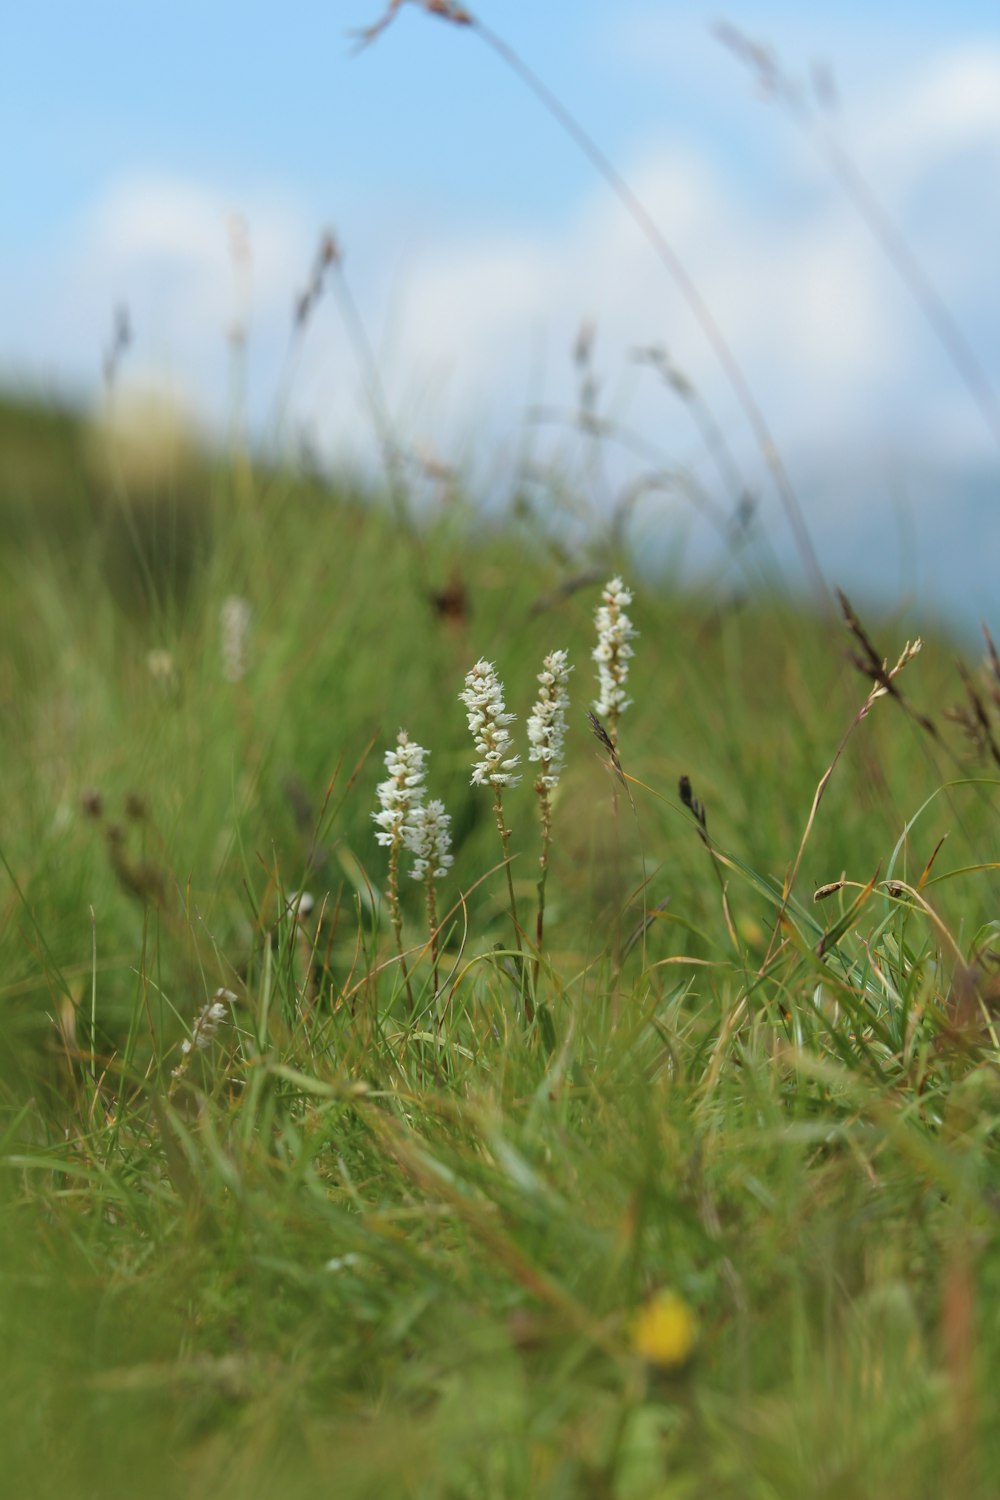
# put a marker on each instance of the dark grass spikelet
(870, 664)
(118, 346)
(994, 665)
(694, 807)
(445, 10)
(328, 254)
(976, 715)
(979, 722)
(604, 739)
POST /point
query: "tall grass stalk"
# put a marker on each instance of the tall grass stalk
(774, 83)
(460, 15)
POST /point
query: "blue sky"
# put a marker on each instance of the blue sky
(477, 239)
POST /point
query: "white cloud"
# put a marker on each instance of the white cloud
(832, 344)
(800, 300)
(953, 104)
(187, 261)
(174, 220)
(193, 264)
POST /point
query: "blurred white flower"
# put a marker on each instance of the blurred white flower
(235, 617)
(207, 1021)
(162, 668)
(300, 905)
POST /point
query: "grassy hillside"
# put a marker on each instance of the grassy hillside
(697, 1198)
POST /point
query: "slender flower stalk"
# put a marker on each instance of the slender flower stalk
(546, 736)
(612, 654)
(497, 767)
(399, 796)
(427, 836)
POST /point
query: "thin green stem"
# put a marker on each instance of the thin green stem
(543, 861)
(432, 924)
(504, 831)
(397, 919)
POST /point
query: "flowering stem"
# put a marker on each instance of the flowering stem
(546, 808)
(496, 767)
(613, 652)
(401, 822)
(618, 888)
(504, 831)
(432, 924)
(397, 920)
(547, 734)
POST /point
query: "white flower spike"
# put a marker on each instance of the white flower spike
(612, 652)
(402, 791)
(547, 723)
(400, 797)
(428, 838)
(488, 719)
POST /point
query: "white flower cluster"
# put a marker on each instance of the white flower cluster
(207, 1021)
(405, 820)
(547, 722)
(402, 791)
(428, 839)
(612, 652)
(488, 720)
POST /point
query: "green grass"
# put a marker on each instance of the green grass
(356, 1251)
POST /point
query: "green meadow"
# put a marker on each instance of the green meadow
(695, 1197)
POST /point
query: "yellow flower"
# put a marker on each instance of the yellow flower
(664, 1332)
